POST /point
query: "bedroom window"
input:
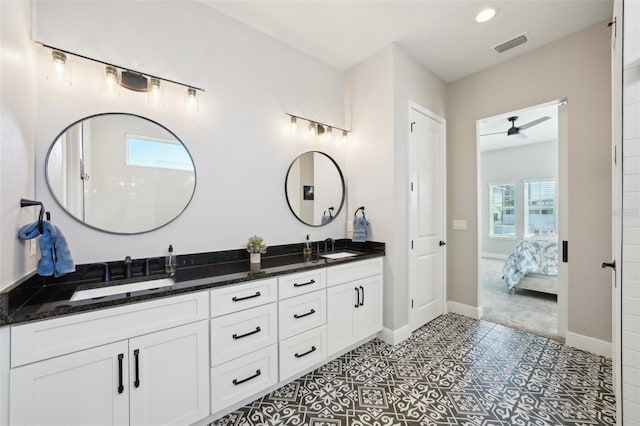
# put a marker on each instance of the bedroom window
(502, 210)
(540, 213)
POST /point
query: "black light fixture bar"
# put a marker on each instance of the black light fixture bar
(123, 68)
(318, 122)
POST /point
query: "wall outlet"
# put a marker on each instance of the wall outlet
(32, 247)
(459, 225)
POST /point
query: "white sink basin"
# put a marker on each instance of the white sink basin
(339, 255)
(122, 288)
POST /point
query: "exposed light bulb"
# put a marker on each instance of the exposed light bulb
(153, 91)
(191, 101)
(294, 124)
(329, 133)
(312, 129)
(112, 80)
(485, 15)
(60, 71)
(344, 136)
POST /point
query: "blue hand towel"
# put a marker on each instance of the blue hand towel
(360, 229)
(325, 219)
(55, 257)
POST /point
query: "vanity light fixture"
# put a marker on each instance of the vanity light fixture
(191, 100)
(117, 76)
(317, 128)
(111, 80)
(59, 71)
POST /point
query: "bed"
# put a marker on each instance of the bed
(533, 265)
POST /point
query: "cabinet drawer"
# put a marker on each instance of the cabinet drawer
(243, 332)
(245, 376)
(301, 283)
(303, 351)
(302, 313)
(53, 337)
(233, 298)
(353, 271)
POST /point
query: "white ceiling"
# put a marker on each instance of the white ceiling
(543, 132)
(442, 34)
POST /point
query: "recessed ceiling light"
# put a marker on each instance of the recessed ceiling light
(485, 15)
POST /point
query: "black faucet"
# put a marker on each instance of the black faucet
(333, 244)
(127, 267)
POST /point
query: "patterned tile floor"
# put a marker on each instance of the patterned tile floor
(453, 371)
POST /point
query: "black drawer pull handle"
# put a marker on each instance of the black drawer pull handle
(238, 299)
(120, 384)
(239, 382)
(303, 284)
(311, 312)
(358, 296)
(362, 301)
(313, 349)
(136, 354)
(240, 336)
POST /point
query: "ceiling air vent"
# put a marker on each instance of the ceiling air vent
(521, 39)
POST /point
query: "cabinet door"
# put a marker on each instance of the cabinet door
(370, 312)
(341, 315)
(169, 376)
(80, 389)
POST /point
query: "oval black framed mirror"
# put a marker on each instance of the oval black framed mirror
(120, 173)
(315, 188)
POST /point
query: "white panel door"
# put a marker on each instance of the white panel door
(341, 316)
(369, 312)
(84, 388)
(426, 217)
(169, 376)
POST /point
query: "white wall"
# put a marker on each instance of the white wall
(238, 139)
(577, 67)
(17, 124)
(377, 96)
(513, 165)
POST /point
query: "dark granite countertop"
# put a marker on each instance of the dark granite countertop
(46, 297)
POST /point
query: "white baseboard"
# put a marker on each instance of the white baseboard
(466, 310)
(393, 337)
(494, 256)
(589, 344)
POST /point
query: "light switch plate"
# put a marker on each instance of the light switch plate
(459, 225)
(32, 247)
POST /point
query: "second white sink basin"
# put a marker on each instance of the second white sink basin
(339, 255)
(122, 288)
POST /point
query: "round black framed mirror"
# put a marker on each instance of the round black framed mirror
(315, 188)
(120, 173)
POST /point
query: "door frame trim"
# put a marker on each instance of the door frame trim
(412, 105)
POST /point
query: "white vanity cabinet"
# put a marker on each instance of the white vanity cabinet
(156, 378)
(354, 303)
(244, 349)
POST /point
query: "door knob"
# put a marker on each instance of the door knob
(442, 243)
(611, 265)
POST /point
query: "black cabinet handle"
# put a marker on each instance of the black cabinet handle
(238, 299)
(120, 384)
(311, 312)
(442, 243)
(303, 284)
(313, 349)
(239, 382)
(240, 336)
(362, 301)
(358, 296)
(136, 355)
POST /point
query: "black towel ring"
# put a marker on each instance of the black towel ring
(358, 209)
(331, 209)
(27, 203)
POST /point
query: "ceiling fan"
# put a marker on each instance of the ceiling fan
(517, 130)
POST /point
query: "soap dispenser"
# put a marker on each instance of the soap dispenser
(170, 262)
(307, 251)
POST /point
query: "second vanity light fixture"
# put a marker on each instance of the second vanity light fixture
(117, 77)
(316, 128)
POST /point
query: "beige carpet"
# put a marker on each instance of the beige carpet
(525, 310)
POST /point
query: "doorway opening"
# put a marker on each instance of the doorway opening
(520, 185)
